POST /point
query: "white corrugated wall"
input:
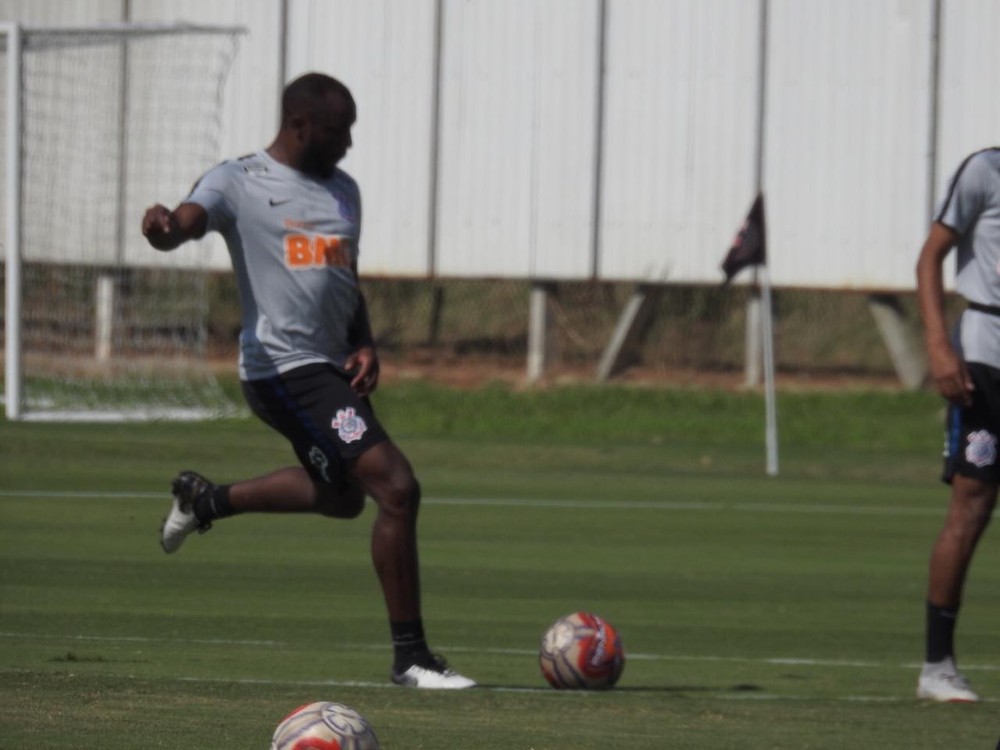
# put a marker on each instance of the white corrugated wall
(384, 51)
(250, 113)
(847, 139)
(969, 102)
(553, 140)
(679, 136)
(518, 126)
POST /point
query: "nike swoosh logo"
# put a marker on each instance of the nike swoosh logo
(274, 202)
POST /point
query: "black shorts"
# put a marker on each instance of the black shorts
(327, 423)
(972, 432)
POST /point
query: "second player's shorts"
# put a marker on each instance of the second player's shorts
(972, 434)
(327, 423)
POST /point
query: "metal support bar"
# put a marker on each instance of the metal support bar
(632, 326)
(434, 324)
(104, 316)
(902, 342)
(538, 329)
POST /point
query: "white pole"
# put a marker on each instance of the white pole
(933, 114)
(12, 257)
(753, 336)
(434, 173)
(104, 316)
(537, 330)
(771, 427)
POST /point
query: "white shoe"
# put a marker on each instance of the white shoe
(433, 676)
(941, 681)
(181, 520)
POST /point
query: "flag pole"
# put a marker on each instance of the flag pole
(767, 318)
(770, 408)
(749, 250)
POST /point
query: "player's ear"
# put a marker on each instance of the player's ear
(298, 125)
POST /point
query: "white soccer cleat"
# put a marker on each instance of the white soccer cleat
(941, 681)
(181, 520)
(435, 675)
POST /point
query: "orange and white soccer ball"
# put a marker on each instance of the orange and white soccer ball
(581, 651)
(324, 726)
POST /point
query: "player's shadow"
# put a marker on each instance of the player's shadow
(739, 688)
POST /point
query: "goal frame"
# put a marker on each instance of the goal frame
(12, 35)
(12, 241)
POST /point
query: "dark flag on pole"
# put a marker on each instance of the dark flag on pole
(750, 246)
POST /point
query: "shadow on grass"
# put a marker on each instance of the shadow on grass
(740, 688)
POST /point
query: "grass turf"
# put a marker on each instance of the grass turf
(756, 612)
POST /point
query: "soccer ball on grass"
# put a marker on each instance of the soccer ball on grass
(324, 726)
(581, 651)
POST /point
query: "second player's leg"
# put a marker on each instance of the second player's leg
(972, 504)
(969, 512)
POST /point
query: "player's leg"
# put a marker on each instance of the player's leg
(292, 404)
(293, 490)
(387, 477)
(972, 469)
(972, 504)
(969, 512)
(198, 502)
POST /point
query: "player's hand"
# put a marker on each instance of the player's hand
(950, 376)
(363, 367)
(159, 226)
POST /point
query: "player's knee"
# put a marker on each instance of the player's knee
(346, 502)
(974, 497)
(400, 495)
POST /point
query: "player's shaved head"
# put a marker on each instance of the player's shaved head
(302, 96)
(317, 113)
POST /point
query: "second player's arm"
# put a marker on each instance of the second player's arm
(946, 368)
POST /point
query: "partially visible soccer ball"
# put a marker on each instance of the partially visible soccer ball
(324, 726)
(581, 651)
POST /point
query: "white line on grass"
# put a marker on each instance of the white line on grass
(778, 660)
(690, 505)
(141, 639)
(664, 505)
(720, 694)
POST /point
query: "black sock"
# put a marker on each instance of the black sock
(213, 505)
(408, 643)
(940, 632)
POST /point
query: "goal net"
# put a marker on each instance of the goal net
(100, 123)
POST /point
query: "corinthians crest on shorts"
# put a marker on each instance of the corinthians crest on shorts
(349, 426)
(982, 449)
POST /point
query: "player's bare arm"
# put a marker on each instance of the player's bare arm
(364, 367)
(946, 368)
(363, 361)
(165, 229)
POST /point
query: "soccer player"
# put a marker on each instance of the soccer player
(291, 220)
(966, 370)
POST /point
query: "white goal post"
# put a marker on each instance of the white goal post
(100, 122)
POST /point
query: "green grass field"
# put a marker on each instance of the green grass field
(756, 612)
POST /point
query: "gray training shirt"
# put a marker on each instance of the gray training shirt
(972, 208)
(293, 240)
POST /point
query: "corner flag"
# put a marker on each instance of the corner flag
(750, 246)
(750, 249)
